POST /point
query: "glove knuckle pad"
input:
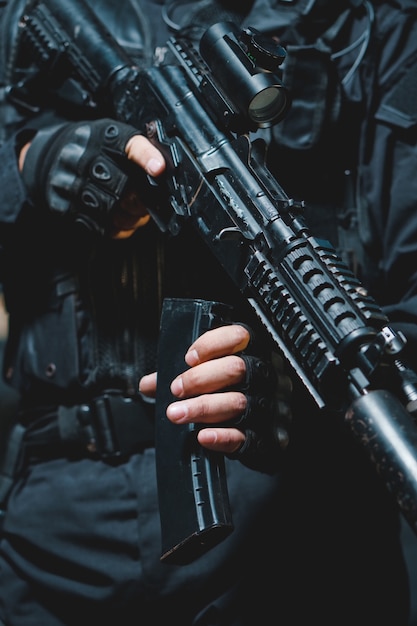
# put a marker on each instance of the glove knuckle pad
(81, 169)
(260, 376)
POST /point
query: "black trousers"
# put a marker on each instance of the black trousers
(321, 542)
(81, 541)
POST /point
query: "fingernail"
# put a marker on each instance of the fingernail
(143, 381)
(177, 411)
(192, 358)
(177, 387)
(210, 436)
(154, 166)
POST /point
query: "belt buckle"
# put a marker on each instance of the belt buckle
(113, 425)
(97, 426)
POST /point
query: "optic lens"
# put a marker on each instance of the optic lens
(268, 106)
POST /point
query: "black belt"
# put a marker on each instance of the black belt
(109, 426)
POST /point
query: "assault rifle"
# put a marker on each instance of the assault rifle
(200, 109)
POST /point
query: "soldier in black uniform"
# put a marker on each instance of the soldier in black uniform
(81, 537)
(84, 285)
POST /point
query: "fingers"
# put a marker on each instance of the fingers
(199, 403)
(213, 368)
(147, 385)
(205, 409)
(208, 408)
(226, 440)
(210, 376)
(218, 342)
(132, 214)
(140, 150)
(208, 372)
(206, 378)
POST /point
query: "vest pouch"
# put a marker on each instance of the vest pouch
(48, 347)
(398, 104)
(310, 75)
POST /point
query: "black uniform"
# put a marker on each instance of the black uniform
(81, 535)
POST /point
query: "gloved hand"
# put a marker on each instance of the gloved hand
(82, 169)
(242, 399)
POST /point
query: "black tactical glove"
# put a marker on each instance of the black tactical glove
(80, 169)
(267, 418)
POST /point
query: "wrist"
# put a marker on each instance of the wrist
(22, 142)
(22, 155)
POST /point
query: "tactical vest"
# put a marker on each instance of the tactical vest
(100, 300)
(354, 97)
(318, 153)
